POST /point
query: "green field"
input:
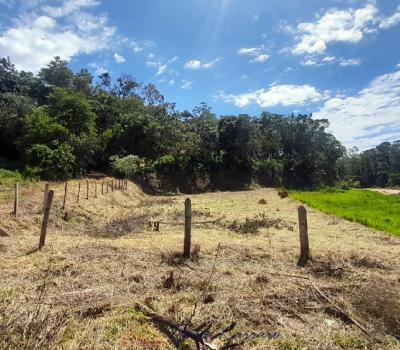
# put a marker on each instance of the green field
(369, 208)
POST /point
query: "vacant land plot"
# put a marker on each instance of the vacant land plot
(102, 258)
(373, 209)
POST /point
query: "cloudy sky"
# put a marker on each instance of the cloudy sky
(337, 59)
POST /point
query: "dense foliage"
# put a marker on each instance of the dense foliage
(58, 124)
(376, 167)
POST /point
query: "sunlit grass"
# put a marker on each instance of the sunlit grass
(371, 209)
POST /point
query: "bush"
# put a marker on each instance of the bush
(8, 176)
(50, 163)
(127, 166)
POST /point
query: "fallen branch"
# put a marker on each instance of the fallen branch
(201, 334)
(343, 312)
(193, 223)
(287, 275)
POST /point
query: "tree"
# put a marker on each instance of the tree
(72, 110)
(57, 74)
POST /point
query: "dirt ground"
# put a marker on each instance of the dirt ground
(386, 190)
(101, 258)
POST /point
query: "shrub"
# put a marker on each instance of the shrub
(127, 166)
(7, 176)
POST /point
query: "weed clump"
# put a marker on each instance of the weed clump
(259, 221)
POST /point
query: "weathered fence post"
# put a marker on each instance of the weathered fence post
(119, 184)
(87, 189)
(112, 185)
(95, 188)
(16, 199)
(102, 187)
(304, 248)
(108, 185)
(65, 196)
(45, 221)
(79, 192)
(46, 191)
(188, 228)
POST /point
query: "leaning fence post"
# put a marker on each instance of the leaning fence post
(16, 199)
(188, 228)
(87, 189)
(46, 191)
(45, 221)
(79, 191)
(304, 247)
(65, 196)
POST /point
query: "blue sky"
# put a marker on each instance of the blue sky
(337, 59)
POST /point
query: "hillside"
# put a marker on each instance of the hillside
(101, 260)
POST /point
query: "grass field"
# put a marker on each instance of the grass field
(368, 208)
(102, 258)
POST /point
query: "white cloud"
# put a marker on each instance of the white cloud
(119, 59)
(317, 61)
(350, 62)
(161, 68)
(334, 26)
(99, 69)
(285, 95)
(370, 117)
(257, 53)
(186, 84)
(197, 64)
(328, 59)
(68, 7)
(35, 39)
(261, 58)
(138, 46)
(391, 20)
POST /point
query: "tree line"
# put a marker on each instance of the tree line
(376, 167)
(60, 124)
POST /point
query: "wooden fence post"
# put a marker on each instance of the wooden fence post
(304, 248)
(188, 228)
(95, 188)
(87, 189)
(102, 187)
(46, 191)
(112, 185)
(65, 196)
(108, 185)
(79, 191)
(46, 218)
(16, 199)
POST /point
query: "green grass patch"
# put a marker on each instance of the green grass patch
(368, 208)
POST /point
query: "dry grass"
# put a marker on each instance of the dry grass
(101, 257)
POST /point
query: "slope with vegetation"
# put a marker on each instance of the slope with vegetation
(60, 124)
